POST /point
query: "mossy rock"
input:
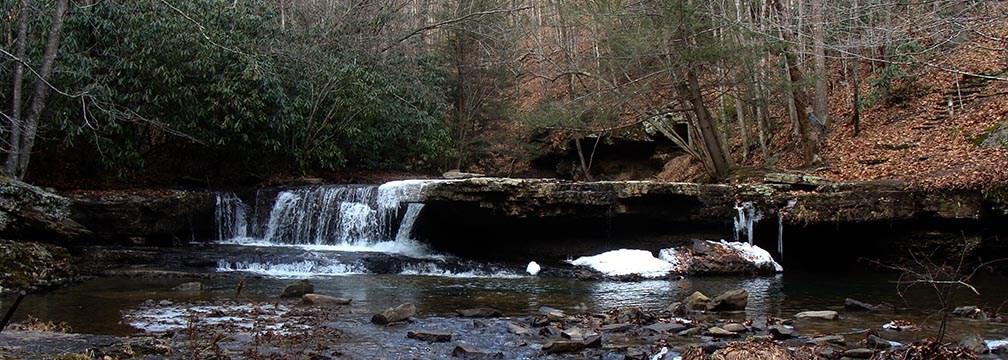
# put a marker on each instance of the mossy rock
(29, 265)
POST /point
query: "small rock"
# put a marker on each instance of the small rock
(518, 330)
(677, 308)
(860, 353)
(617, 328)
(781, 332)
(820, 315)
(431, 337)
(470, 352)
(396, 314)
(323, 300)
(877, 342)
(479, 313)
(971, 312)
(974, 343)
(697, 301)
(829, 339)
(164, 303)
(553, 314)
(576, 333)
(298, 289)
(735, 327)
(851, 304)
(719, 332)
(732, 300)
(690, 332)
(665, 327)
(190, 286)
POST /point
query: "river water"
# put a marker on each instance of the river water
(355, 242)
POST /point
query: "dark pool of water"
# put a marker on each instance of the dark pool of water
(96, 306)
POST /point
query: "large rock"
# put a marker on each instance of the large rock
(28, 265)
(704, 257)
(298, 289)
(732, 300)
(148, 217)
(393, 315)
(697, 301)
(974, 343)
(30, 212)
(323, 300)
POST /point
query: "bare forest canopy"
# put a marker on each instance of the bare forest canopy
(242, 89)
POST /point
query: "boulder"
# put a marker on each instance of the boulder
(696, 301)
(971, 312)
(393, 315)
(704, 257)
(690, 332)
(818, 315)
(323, 300)
(974, 343)
(479, 313)
(298, 289)
(518, 330)
(732, 300)
(720, 332)
(735, 327)
(431, 337)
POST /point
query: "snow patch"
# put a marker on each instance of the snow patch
(430, 269)
(753, 253)
(626, 262)
(994, 344)
(532, 268)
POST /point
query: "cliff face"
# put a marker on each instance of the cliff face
(30, 212)
(162, 217)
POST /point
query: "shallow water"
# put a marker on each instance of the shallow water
(97, 306)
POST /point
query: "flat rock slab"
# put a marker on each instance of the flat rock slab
(429, 336)
(818, 315)
(396, 314)
(323, 300)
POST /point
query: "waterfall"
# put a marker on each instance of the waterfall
(230, 217)
(346, 215)
(745, 218)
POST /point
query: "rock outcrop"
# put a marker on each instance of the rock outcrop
(30, 212)
(152, 217)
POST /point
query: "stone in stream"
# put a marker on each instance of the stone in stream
(735, 327)
(855, 305)
(781, 332)
(518, 330)
(974, 343)
(190, 286)
(469, 352)
(566, 346)
(431, 337)
(396, 314)
(719, 332)
(732, 300)
(696, 301)
(971, 312)
(828, 339)
(323, 300)
(877, 342)
(551, 313)
(665, 327)
(690, 332)
(479, 313)
(818, 315)
(298, 289)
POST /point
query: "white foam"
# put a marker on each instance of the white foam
(393, 193)
(409, 248)
(430, 269)
(626, 262)
(994, 344)
(302, 269)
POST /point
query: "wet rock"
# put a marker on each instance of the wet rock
(540, 321)
(518, 330)
(677, 308)
(467, 351)
(720, 332)
(617, 328)
(735, 327)
(28, 211)
(631, 315)
(190, 286)
(431, 337)
(690, 332)
(298, 289)
(829, 339)
(553, 314)
(971, 312)
(732, 300)
(165, 303)
(974, 343)
(818, 315)
(456, 174)
(163, 217)
(781, 332)
(662, 328)
(696, 301)
(859, 353)
(577, 334)
(876, 342)
(396, 314)
(566, 346)
(323, 300)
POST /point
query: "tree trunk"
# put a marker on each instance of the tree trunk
(690, 90)
(801, 104)
(41, 88)
(821, 106)
(15, 118)
(855, 78)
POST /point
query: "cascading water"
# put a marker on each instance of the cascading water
(746, 216)
(231, 217)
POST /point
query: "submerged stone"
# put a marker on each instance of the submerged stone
(298, 289)
(732, 300)
(819, 315)
(431, 337)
